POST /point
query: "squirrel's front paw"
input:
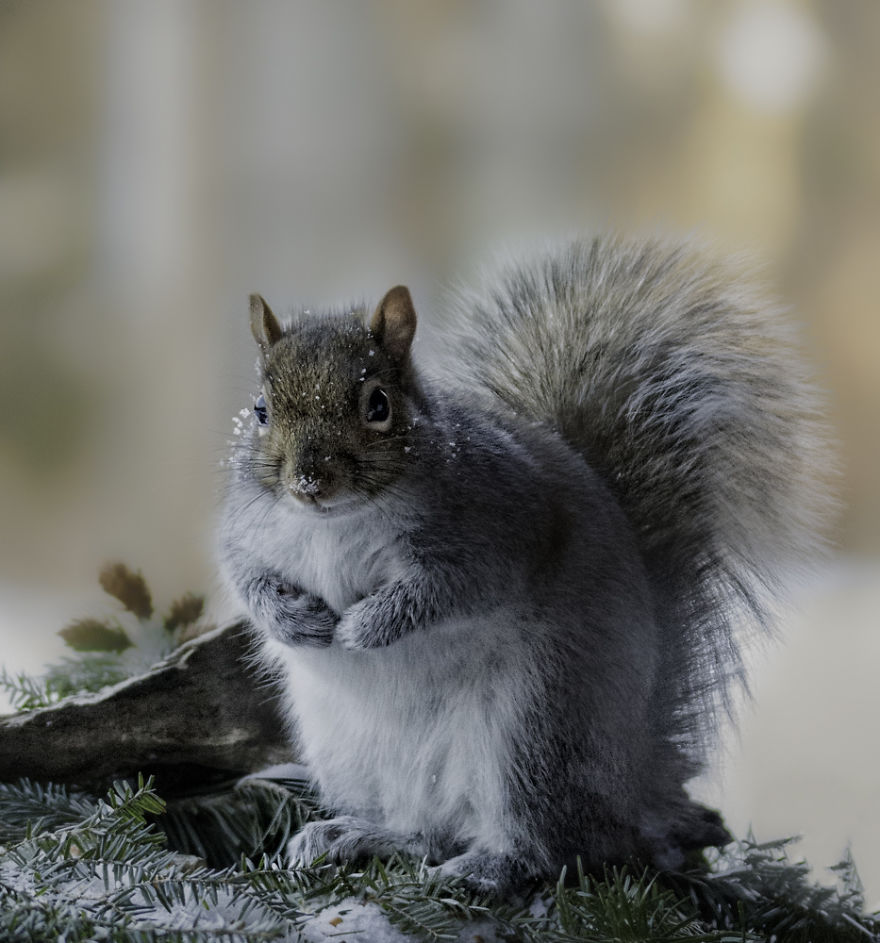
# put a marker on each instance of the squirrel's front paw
(306, 620)
(361, 627)
(294, 617)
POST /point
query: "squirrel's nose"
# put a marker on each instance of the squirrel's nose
(305, 486)
(309, 474)
(308, 486)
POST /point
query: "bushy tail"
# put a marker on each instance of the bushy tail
(684, 390)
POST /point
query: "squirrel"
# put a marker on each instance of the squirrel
(506, 598)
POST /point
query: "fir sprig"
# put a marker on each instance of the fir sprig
(27, 693)
(31, 806)
(760, 885)
(415, 898)
(257, 815)
(110, 876)
(625, 906)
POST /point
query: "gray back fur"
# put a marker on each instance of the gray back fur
(685, 392)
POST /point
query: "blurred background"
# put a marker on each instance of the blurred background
(159, 159)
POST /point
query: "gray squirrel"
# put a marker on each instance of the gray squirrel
(505, 599)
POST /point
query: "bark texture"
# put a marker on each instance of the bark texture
(200, 717)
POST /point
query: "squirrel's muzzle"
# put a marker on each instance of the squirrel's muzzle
(309, 476)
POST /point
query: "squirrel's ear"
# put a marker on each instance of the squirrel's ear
(394, 323)
(264, 324)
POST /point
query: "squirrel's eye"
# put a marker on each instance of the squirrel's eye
(378, 406)
(260, 410)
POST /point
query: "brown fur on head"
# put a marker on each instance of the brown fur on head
(337, 400)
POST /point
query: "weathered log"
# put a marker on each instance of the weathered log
(200, 717)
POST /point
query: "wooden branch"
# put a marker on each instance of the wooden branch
(197, 718)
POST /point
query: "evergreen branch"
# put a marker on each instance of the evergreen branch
(759, 885)
(87, 671)
(257, 815)
(104, 877)
(39, 807)
(100, 868)
(416, 899)
(26, 693)
(627, 907)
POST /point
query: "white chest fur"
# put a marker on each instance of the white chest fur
(340, 560)
(415, 735)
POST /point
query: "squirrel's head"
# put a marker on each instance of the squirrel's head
(336, 406)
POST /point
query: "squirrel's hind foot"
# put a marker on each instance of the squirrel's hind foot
(344, 839)
(486, 873)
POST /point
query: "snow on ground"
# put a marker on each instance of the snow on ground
(351, 917)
